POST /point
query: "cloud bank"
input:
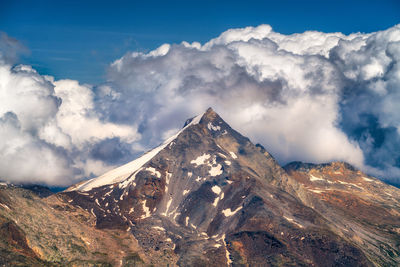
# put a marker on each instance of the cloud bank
(311, 96)
(49, 128)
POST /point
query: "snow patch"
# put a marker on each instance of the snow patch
(367, 179)
(217, 170)
(167, 208)
(293, 221)
(314, 178)
(168, 177)
(222, 155)
(169, 204)
(187, 220)
(154, 171)
(341, 182)
(130, 180)
(216, 189)
(176, 215)
(200, 160)
(316, 191)
(146, 210)
(227, 162)
(229, 212)
(227, 254)
(216, 200)
(210, 127)
(108, 193)
(171, 144)
(233, 155)
(185, 192)
(158, 228)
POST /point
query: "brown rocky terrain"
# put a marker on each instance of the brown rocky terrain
(360, 208)
(50, 232)
(209, 197)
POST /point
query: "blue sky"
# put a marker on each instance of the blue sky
(78, 39)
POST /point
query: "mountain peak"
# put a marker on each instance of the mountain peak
(210, 113)
(196, 178)
(211, 197)
(210, 116)
(209, 119)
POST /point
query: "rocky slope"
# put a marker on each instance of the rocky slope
(50, 232)
(360, 208)
(209, 197)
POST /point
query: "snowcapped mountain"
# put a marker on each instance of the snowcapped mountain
(121, 173)
(209, 197)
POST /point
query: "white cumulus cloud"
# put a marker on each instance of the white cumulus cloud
(48, 128)
(309, 96)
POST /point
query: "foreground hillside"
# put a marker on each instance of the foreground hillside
(49, 232)
(207, 197)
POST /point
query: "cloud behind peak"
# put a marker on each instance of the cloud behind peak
(304, 96)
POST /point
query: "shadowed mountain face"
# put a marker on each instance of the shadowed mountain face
(209, 197)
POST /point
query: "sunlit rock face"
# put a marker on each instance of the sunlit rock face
(360, 208)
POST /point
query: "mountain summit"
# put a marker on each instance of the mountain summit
(208, 196)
